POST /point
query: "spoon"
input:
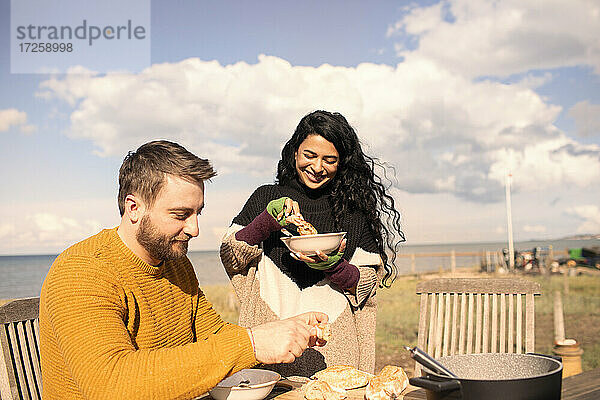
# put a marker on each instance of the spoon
(429, 362)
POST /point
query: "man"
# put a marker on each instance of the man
(121, 313)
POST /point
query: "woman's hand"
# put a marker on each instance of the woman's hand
(321, 261)
(282, 209)
(277, 214)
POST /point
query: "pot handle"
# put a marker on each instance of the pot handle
(557, 358)
(436, 386)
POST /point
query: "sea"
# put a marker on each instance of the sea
(23, 275)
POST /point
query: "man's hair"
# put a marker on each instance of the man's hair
(144, 171)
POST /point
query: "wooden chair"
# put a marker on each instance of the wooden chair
(20, 376)
(475, 315)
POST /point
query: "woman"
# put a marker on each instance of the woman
(324, 175)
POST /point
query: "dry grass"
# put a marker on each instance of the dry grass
(224, 301)
(581, 314)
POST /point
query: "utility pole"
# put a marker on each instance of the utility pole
(511, 247)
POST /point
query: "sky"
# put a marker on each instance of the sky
(453, 96)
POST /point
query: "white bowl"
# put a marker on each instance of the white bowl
(261, 382)
(309, 244)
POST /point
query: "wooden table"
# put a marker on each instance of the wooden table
(355, 394)
(585, 386)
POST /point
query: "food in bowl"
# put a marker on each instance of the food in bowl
(302, 226)
(247, 384)
(305, 228)
(309, 244)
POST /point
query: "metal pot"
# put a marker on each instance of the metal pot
(495, 376)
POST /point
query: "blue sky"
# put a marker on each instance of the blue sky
(453, 94)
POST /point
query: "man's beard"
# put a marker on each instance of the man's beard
(159, 246)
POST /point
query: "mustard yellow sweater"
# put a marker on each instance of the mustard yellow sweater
(114, 327)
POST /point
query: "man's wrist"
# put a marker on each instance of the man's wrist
(252, 340)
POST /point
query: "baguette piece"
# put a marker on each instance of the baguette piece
(302, 226)
(321, 390)
(343, 376)
(388, 385)
(324, 331)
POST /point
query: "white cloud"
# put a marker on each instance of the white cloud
(41, 227)
(534, 81)
(589, 215)
(540, 165)
(54, 229)
(418, 20)
(534, 228)
(44, 232)
(587, 118)
(12, 117)
(443, 218)
(7, 230)
(500, 38)
(442, 132)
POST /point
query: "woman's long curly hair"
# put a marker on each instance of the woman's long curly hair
(355, 187)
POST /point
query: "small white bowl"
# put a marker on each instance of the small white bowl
(261, 382)
(309, 244)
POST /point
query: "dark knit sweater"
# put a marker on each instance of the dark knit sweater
(272, 285)
(316, 209)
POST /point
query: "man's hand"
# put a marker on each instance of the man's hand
(283, 341)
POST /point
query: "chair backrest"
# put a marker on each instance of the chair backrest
(475, 315)
(20, 376)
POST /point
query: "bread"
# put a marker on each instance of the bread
(382, 388)
(323, 331)
(302, 226)
(321, 390)
(388, 385)
(343, 376)
(394, 372)
(306, 228)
